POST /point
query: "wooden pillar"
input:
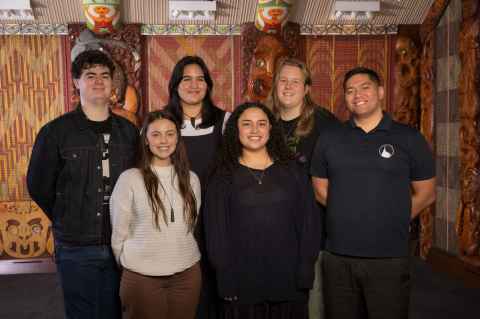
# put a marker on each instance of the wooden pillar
(426, 110)
(468, 214)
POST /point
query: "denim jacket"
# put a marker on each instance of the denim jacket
(65, 174)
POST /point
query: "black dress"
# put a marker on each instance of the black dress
(262, 239)
(202, 145)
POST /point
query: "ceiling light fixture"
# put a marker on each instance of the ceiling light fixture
(359, 10)
(192, 10)
(16, 10)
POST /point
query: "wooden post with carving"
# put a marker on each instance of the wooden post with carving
(468, 214)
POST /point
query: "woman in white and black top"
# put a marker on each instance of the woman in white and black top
(154, 208)
(190, 101)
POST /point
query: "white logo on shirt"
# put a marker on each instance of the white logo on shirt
(386, 150)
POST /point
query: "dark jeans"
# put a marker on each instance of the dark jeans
(90, 281)
(358, 288)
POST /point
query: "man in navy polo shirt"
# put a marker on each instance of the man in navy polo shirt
(374, 175)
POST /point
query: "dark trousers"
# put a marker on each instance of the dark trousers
(90, 281)
(158, 297)
(266, 310)
(360, 288)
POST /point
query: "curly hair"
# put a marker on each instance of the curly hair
(231, 148)
(210, 113)
(181, 168)
(88, 59)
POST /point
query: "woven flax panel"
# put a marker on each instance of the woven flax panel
(31, 94)
(164, 52)
(330, 57)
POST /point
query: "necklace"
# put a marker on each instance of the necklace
(193, 118)
(258, 179)
(169, 199)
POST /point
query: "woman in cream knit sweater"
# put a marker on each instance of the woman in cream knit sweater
(154, 208)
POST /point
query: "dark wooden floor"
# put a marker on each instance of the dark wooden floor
(434, 295)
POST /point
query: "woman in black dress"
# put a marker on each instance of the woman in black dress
(190, 101)
(260, 221)
(302, 122)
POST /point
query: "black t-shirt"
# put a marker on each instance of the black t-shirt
(369, 176)
(103, 129)
(262, 237)
(302, 147)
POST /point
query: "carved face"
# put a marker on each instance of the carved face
(272, 15)
(268, 51)
(24, 231)
(102, 15)
(406, 50)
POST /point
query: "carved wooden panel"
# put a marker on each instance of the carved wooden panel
(433, 17)
(468, 215)
(413, 98)
(25, 232)
(407, 80)
(125, 47)
(31, 94)
(259, 54)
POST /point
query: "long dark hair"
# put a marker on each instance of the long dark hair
(231, 148)
(181, 168)
(210, 113)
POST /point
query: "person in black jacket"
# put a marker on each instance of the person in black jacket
(260, 221)
(75, 162)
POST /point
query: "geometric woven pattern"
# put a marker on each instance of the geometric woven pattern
(163, 52)
(447, 127)
(31, 94)
(330, 57)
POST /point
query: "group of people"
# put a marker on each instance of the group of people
(209, 214)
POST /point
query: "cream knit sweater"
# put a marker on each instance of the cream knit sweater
(137, 244)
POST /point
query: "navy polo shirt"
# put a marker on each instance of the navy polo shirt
(369, 190)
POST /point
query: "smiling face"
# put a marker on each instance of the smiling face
(95, 85)
(253, 129)
(291, 88)
(192, 88)
(363, 96)
(162, 139)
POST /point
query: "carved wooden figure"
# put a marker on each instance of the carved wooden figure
(125, 49)
(468, 214)
(262, 66)
(260, 51)
(407, 81)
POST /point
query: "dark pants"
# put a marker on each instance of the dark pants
(157, 297)
(90, 281)
(358, 288)
(267, 310)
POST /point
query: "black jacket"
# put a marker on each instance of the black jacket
(65, 174)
